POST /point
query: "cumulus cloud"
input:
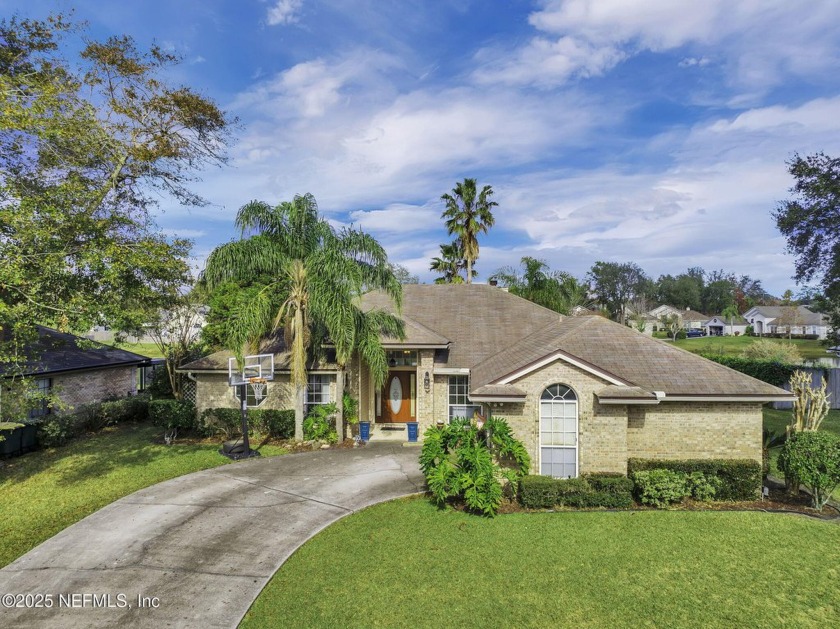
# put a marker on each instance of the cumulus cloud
(284, 12)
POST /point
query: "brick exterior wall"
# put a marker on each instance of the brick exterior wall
(213, 391)
(695, 430)
(83, 387)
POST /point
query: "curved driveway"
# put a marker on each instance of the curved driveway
(195, 551)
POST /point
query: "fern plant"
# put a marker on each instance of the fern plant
(463, 461)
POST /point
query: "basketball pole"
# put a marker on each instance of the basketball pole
(243, 395)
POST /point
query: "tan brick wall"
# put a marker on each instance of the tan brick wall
(212, 391)
(83, 387)
(602, 430)
(694, 430)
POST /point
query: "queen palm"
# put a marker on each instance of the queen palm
(468, 214)
(319, 276)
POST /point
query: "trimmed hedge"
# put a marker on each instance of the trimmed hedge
(772, 372)
(228, 421)
(173, 415)
(601, 490)
(740, 479)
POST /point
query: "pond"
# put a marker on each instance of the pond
(828, 360)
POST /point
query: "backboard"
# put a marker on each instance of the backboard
(257, 366)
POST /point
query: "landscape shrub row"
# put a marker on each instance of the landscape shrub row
(56, 429)
(739, 479)
(612, 491)
(772, 372)
(174, 415)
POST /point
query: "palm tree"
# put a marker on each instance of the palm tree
(467, 214)
(536, 282)
(731, 311)
(319, 276)
(450, 264)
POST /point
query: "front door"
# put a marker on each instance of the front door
(398, 397)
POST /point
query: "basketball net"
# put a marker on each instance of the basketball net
(258, 386)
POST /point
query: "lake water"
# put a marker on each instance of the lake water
(827, 361)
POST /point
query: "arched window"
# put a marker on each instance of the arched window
(558, 432)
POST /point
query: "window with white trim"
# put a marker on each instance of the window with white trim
(318, 389)
(558, 432)
(459, 401)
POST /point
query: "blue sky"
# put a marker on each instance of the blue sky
(653, 131)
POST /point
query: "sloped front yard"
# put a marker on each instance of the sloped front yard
(407, 564)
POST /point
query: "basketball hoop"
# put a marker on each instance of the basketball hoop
(258, 386)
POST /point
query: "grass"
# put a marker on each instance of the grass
(44, 492)
(407, 564)
(735, 345)
(144, 349)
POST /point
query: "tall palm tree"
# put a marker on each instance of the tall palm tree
(730, 312)
(320, 275)
(468, 214)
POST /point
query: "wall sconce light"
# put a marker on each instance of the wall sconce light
(427, 383)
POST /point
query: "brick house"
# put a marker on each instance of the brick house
(584, 394)
(79, 371)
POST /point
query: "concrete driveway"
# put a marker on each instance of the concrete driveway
(196, 551)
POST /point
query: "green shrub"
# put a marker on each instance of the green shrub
(273, 423)
(773, 372)
(537, 492)
(222, 421)
(813, 458)
(466, 462)
(172, 416)
(702, 487)
(681, 335)
(596, 490)
(610, 483)
(660, 487)
(319, 425)
(740, 479)
(57, 429)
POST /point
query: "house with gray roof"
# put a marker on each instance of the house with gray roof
(584, 394)
(793, 320)
(79, 371)
(718, 325)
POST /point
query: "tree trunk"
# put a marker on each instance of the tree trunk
(339, 403)
(300, 398)
(469, 271)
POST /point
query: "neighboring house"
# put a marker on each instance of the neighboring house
(196, 319)
(691, 319)
(719, 325)
(584, 394)
(79, 371)
(792, 320)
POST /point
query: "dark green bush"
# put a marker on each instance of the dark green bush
(224, 421)
(173, 416)
(813, 459)
(775, 373)
(601, 490)
(740, 479)
(466, 462)
(56, 429)
(538, 492)
(273, 423)
(610, 483)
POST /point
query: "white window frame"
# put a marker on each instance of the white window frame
(316, 384)
(250, 396)
(461, 385)
(572, 400)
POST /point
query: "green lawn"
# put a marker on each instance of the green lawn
(46, 491)
(735, 345)
(144, 349)
(407, 564)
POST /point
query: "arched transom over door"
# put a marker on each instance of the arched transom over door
(558, 432)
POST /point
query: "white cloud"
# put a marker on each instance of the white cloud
(284, 12)
(761, 41)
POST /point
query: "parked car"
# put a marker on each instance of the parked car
(693, 334)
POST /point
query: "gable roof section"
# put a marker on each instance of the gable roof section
(417, 335)
(57, 352)
(478, 320)
(785, 315)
